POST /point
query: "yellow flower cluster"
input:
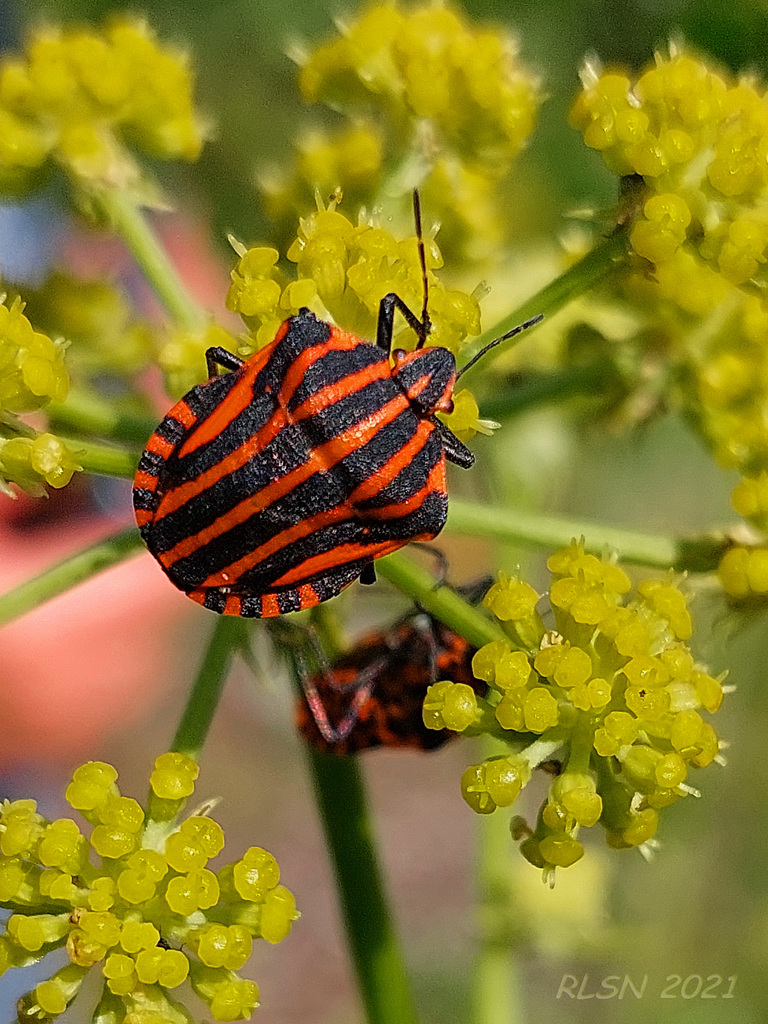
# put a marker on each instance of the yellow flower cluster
(32, 369)
(699, 141)
(431, 97)
(612, 693)
(743, 569)
(343, 272)
(77, 96)
(33, 462)
(96, 317)
(32, 374)
(428, 63)
(134, 917)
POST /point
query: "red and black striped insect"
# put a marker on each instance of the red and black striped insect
(375, 693)
(273, 487)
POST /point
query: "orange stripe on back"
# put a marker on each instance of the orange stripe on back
(249, 449)
(435, 483)
(332, 393)
(159, 446)
(418, 386)
(233, 572)
(183, 414)
(321, 459)
(402, 458)
(339, 341)
(270, 606)
(144, 481)
(341, 555)
(308, 596)
(236, 400)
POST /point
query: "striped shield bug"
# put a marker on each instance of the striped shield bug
(271, 488)
(374, 694)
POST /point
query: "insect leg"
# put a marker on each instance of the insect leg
(384, 325)
(441, 561)
(362, 689)
(368, 575)
(455, 450)
(390, 302)
(215, 357)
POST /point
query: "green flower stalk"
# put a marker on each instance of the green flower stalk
(135, 900)
(612, 693)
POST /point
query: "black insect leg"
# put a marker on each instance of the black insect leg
(385, 323)
(217, 356)
(441, 562)
(368, 575)
(390, 302)
(455, 450)
(361, 690)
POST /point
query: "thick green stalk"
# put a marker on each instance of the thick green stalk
(87, 413)
(207, 688)
(130, 222)
(384, 984)
(442, 602)
(68, 573)
(203, 700)
(538, 389)
(579, 278)
(695, 554)
(102, 460)
(496, 985)
(340, 791)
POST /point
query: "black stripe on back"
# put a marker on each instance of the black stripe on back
(321, 492)
(333, 367)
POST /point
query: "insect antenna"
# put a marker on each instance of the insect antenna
(426, 324)
(496, 341)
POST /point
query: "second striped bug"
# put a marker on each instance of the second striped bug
(373, 695)
(271, 488)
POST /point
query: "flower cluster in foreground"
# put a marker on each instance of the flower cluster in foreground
(135, 900)
(612, 694)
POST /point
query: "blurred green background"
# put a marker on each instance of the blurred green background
(700, 910)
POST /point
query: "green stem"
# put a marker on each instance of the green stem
(202, 702)
(68, 573)
(442, 602)
(206, 690)
(382, 977)
(99, 459)
(496, 983)
(576, 280)
(535, 390)
(128, 219)
(695, 554)
(87, 413)
(341, 798)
